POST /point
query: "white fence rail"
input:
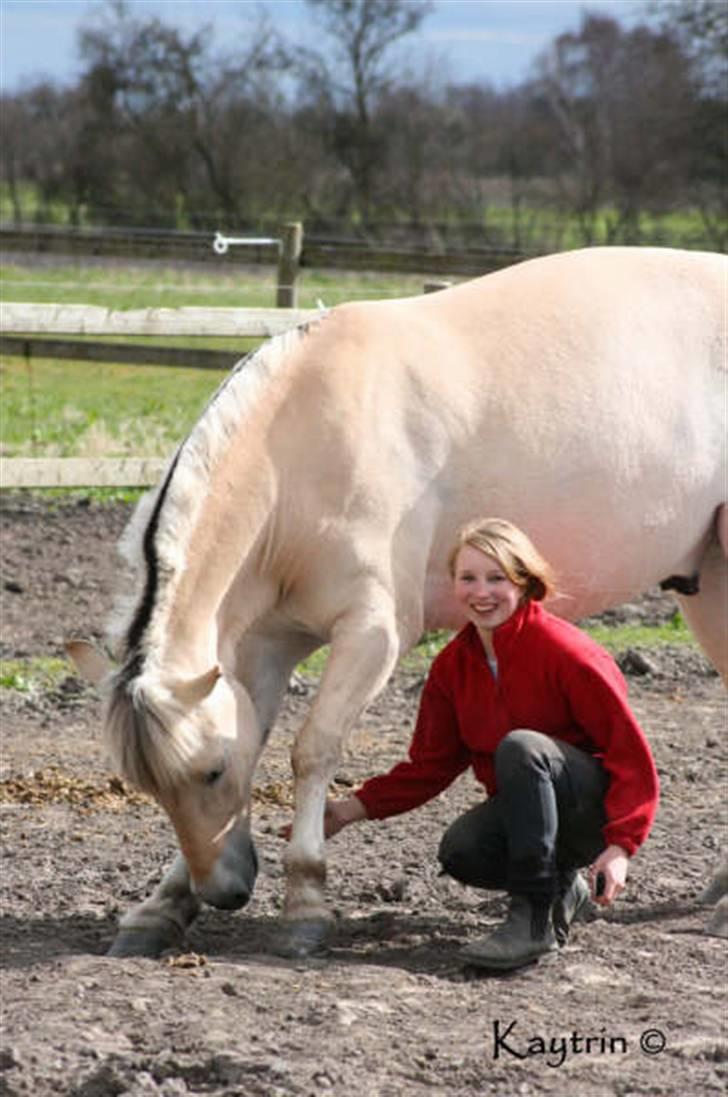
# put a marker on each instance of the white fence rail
(190, 321)
(80, 472)
(21, 318)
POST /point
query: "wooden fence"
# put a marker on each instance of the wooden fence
(93, 320)
(39, 323)
(30, 329)
(292, 251)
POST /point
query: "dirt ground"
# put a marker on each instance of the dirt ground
(633, 1005)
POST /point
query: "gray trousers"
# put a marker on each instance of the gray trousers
(545, 821)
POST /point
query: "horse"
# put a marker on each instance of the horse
(580, 395)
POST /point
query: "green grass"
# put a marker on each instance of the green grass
(55, 498)
(40, 674)
(615, 638)
(131, 286)
(84, 409)
(618, 638)
(417, 660)
(56, 212)
(33, 675)
(87, 409)
(548, 229)
(542, 222)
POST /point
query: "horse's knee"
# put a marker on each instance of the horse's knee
(314, 755)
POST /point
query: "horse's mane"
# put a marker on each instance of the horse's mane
(140, 711)
(153, 545)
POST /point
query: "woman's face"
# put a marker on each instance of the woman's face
(483, 589)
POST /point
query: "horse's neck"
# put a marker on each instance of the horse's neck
(222, 547)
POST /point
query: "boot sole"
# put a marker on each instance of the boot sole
(488, 964)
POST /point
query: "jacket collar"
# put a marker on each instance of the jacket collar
(506, 635)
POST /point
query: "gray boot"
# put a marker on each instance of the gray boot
(526, 935)
(571, 903)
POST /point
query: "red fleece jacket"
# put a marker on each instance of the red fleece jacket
(551, 678)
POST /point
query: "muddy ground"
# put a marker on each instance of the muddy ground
(634, 1004)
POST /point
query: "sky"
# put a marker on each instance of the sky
(462, 41)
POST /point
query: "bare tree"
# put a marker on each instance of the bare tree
(166, 127)
(43, 130)
(347, 89)
(621, 104)
(195, 117)
(701, 27)
(14, 160)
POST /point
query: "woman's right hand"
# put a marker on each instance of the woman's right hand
(340, 813)
(337, 815)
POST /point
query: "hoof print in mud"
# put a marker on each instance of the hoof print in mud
(297, 940)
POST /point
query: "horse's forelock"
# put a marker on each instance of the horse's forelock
(145, 749)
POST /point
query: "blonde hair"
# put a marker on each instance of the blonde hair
(512, 550)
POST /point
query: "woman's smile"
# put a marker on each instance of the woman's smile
(484, 590)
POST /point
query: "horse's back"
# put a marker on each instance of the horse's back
(553, 392)
(557, 317)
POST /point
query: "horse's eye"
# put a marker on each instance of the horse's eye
(213, 775)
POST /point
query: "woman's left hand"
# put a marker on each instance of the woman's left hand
(613, 865)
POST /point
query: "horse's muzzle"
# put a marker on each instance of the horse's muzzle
(230, 884)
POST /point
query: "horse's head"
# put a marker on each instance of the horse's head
(192, 744)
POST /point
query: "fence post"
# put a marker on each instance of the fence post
(289, 262)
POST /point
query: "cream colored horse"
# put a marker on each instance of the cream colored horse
(581, 396)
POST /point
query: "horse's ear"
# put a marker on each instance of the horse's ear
(191, 691)
(91, 663)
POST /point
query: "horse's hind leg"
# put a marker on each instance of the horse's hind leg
(161, 920)
(707, 611)
(707, 615)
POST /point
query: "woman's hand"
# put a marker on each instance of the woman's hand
(340, 813)
(612, 865)
(337, 815)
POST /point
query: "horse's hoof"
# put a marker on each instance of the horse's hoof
(718, 923)
(303, 937)
(144, 942)
(715, 890)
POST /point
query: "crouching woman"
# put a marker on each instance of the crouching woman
(540, 712)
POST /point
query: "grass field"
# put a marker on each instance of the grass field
(87, 409)
(144, 285)
(544, 226)
(84, 409)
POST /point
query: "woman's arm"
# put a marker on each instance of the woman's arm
(437, 755)
(598, 701)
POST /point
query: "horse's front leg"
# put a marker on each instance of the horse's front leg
(161, 920)
(363, 655)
